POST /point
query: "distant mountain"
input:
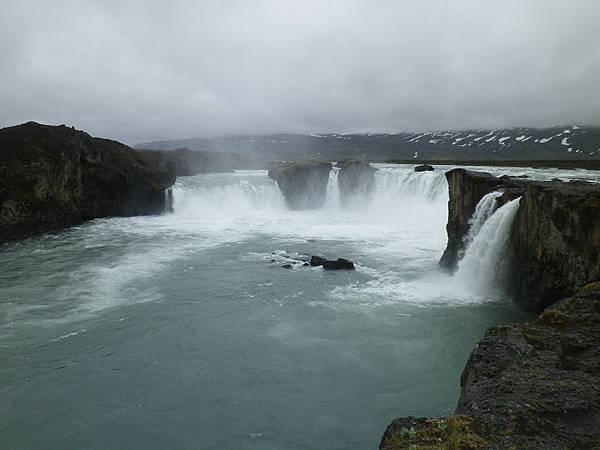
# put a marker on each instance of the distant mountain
(557, 143)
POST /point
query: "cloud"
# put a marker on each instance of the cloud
(143, 70)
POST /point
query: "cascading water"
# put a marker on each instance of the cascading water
(395, 183)
(333, 189)
(410, 200)
(483, 211)
(168, 208)
(227, 194)
(208, 281)
(483, 267)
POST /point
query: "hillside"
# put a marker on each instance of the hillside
(557, 143)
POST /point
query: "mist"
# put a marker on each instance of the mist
(148, 70)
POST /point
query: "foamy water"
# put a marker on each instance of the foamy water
(183, 330)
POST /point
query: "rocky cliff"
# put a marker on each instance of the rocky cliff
(53, 176)
(526, 386)
(555, 242)
(355, 179)
(466, 188)
(188, 162)
(303, 184)
(555, 239)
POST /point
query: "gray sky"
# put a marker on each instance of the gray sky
(146, 70)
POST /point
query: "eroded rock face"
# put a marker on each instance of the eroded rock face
(303, 184)
(356, 179)
(466, 189)
(555, 242)
(53, 177)
(526, 386)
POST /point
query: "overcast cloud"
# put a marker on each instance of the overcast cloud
(146, 70)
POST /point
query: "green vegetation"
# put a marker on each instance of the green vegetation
(454, 433)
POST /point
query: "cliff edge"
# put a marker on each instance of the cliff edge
(526, 386)
(53, 177)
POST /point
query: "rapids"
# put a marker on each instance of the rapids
(183, 330)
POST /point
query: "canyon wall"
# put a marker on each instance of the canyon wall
(531, 385)
(555, 242)
(555, 239)
(466, 188)
(53, 177)
(525, 386)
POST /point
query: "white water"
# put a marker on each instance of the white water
(333, 190)
(173, 330)
(485, 262)
(483, 211)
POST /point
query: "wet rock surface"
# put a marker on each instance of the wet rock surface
(53, 177)
(555, 242)
(355, 179)
(303, 184)
(298, 260)
(525, 386)
(424, 168)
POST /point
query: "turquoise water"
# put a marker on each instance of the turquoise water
(183, 331)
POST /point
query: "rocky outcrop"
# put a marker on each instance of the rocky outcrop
(53, 176)
(526, 386)
(303, 184)
(338, 264)
(424, 168)
(555, 238)
(188, 162)
(555, 242)
(466, 188)
(356, 179)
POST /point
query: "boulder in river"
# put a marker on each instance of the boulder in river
(303, 184)
(424, 168)
(338, 264)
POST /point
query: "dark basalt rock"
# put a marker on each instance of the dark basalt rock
(317, 261)
(526, 386)
(466, 188)
(339, 264)
(52, 177)
(356, 179)
(555, 239)
(424, 168)
(555, 242)
(303, 184)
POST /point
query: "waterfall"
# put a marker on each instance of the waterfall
(394, 182)
(226, 194)
(483, 211)
(168, 204)
(484, 264)
(333, 189)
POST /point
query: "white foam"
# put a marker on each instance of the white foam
(482, 269)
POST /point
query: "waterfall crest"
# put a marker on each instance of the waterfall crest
(485, 261)
(483, 211)
(333, 189)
